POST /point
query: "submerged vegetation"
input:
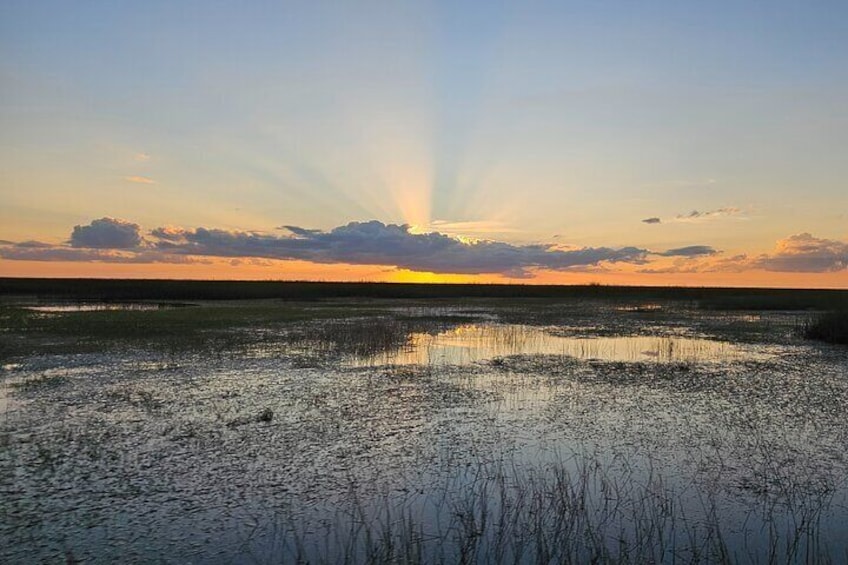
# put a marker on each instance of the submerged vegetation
(473, 430)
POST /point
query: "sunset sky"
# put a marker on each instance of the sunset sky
(650, 142)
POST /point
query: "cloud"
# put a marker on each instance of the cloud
(48, 252)
(301, 232)
(141, 157)
(393, 245)
(800, 253)
(169, 233)
(140, 180)
(690, 251)
(30, 244)
(471, 227)
(803, 253)
(107, 233)
(696, 216)
(376, 243)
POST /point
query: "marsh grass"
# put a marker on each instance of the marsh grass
(215, 328)
(40, 382)
(583, 510)
(359, 337)
(830, 327)
(367, 337)
(221, 326)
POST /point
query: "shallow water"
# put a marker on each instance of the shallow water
(472, 343)
(96, 307)
(145, 454)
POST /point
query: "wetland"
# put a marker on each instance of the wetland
(624, 429)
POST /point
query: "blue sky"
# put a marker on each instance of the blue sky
(526, 123)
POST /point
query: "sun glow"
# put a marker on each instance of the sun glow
(412, 199)
(406, 276)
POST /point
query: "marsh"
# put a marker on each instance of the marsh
(470, 430)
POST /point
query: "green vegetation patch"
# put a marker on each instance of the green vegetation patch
(202, 327)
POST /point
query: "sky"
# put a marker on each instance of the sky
(651, 142)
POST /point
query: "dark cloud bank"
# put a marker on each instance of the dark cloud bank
(375, 243)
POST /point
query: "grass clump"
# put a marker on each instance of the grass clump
(40, 383)
(831, 327)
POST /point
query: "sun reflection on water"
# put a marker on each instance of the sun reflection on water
(472, 343)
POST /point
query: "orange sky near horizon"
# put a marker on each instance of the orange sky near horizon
(219, 269)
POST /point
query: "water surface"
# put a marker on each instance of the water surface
(97, 307)
(472, 343)
(146, 453)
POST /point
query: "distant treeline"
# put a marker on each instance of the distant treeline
(132, 289)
